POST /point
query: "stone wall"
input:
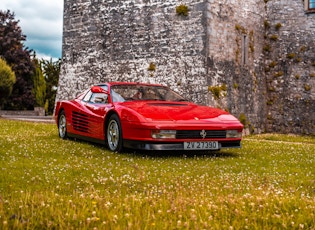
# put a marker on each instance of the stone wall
(117, 40)
(228, 53)
(235, 61)
(290, 67)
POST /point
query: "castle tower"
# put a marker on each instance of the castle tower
(214, 55)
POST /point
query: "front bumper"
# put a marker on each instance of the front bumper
(172, 146)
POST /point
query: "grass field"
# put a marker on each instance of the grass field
(49, 183)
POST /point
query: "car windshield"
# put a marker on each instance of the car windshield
(121, 93)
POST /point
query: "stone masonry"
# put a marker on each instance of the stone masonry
(290, 67)
(254, 58)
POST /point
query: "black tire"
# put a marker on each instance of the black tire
(62, 125)
(114, 134)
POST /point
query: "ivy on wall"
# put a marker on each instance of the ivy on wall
(218, 91)
(182, 10)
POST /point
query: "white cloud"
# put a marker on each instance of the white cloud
(46, 57)
(41, 22)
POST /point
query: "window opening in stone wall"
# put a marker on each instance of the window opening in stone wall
(309, 5)
(244, 50)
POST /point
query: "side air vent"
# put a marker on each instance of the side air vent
(80, 122)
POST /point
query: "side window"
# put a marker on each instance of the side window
(105, 87)
(100, 98)
(312, 4)
(87, 96)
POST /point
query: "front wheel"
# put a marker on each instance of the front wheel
(62, 125)
(114, 134)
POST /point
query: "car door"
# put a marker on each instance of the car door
(96, 108)
(88, 116)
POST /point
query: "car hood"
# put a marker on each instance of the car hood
(178, 111)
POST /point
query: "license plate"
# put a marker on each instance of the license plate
(201, 145)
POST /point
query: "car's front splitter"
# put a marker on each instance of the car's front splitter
(172, 146)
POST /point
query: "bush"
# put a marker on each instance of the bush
(7, 80)
(243, 120)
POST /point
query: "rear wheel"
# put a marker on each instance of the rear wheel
(114, 134)
(62, 125)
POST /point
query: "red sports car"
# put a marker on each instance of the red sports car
(145, 116)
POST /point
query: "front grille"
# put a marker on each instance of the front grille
(80, 122)
(196, 134)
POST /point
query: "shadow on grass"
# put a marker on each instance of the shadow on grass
(165, 153)
(180, 154)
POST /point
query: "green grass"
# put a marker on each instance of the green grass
(49, 183)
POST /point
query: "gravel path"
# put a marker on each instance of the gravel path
(45, 119)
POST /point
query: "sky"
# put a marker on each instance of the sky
(41, 22)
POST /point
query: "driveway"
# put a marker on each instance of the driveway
(45, 119)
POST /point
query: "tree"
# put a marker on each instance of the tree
(39, 89)
(7, 79)
(51, 72)
(18, 57)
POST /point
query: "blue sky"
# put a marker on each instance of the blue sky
(41, 22)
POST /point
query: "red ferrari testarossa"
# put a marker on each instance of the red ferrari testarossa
(145, 116)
